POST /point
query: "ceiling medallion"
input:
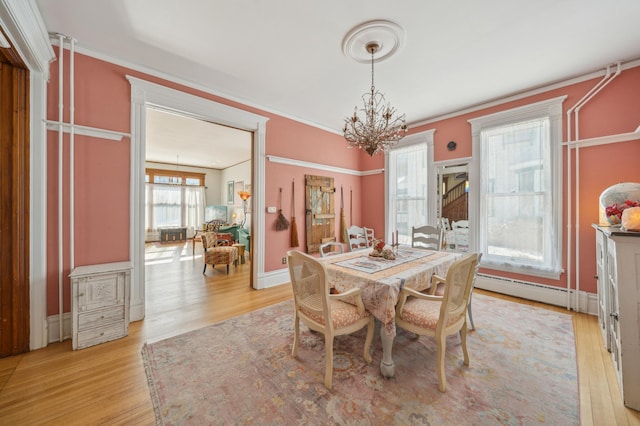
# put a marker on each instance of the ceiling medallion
(382, 127)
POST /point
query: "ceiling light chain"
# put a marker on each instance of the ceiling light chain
(380, 130)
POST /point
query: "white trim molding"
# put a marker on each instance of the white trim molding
(324, 167)
(25, 28)
(144, 94)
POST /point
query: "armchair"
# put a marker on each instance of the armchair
(217, 251)
(440, 316)
(329, 314)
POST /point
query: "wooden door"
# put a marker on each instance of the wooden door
(14, 196)
(320, 211)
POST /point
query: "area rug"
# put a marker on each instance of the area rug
(522, 372)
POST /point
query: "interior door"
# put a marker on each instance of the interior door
(320, 211)
(14, 196)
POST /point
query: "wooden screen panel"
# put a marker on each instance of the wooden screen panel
(14, 214)
(320, 211)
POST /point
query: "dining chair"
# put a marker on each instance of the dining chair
(331, 248)
(460, 230)
(357, 238)
(440, 316)
(437, 288)
(427, 237)
(329, 314)
(369, 236)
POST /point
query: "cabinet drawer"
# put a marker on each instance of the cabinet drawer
(95, 336)
(99, 291)
(99, 318)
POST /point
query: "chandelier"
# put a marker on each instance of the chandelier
(381, 127)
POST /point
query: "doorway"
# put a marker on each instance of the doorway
(145, 94)
(453, 204)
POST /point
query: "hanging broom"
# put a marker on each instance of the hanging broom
(294, 227)
(281, 223)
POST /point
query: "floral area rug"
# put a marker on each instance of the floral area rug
(522, 371)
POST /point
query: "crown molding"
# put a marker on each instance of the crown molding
(25, 28)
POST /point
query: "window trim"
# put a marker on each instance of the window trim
(553, 109)
(183, 175)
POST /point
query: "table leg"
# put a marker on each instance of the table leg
(387, 367)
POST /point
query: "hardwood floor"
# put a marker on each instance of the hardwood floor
(106, 384)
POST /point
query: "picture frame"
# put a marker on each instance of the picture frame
(230, 192)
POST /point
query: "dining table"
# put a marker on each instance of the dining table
(380, 281)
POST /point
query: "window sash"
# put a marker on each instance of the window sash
(518, 178)
(408, 182)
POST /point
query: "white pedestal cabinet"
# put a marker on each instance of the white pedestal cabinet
(100, 303)
(618, 274)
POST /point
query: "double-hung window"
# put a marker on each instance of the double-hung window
(408, 168)
(517, 168)
(174, 199)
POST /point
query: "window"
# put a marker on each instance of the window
(518, 169)
(407, 183)
(174, 199)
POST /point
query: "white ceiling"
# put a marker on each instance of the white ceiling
(177, 139)
(285, 56)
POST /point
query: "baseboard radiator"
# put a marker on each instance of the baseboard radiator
(550, 295)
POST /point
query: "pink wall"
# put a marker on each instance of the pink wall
(102, 175)
(615, 110)
(102, 167)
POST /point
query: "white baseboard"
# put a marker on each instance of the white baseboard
(53, 325)
(551, 295)
(273, 278)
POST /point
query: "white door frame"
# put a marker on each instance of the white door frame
(144, 94)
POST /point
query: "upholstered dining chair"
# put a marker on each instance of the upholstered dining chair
(357, 238)
(329, 314)
(427, 236)
(440, 316)
(217, 251)
(437, 288)
(331, 248)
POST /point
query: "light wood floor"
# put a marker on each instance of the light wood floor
(106, 384)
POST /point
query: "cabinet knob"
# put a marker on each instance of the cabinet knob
(614, 316)
(595, 276)
(81, 294)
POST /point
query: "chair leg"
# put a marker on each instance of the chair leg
(205, 268)
(473, 327)
(463, 338)
(227, 269)
(328, 374)
(441, 343)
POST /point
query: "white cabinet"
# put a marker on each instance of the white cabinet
(619, 280)
(601, 277)
(100, 303)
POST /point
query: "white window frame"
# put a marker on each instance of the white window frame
(426, 138)
(551, 108)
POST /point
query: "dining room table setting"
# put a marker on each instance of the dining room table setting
(380, 273)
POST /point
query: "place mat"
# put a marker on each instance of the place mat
(371, 264)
